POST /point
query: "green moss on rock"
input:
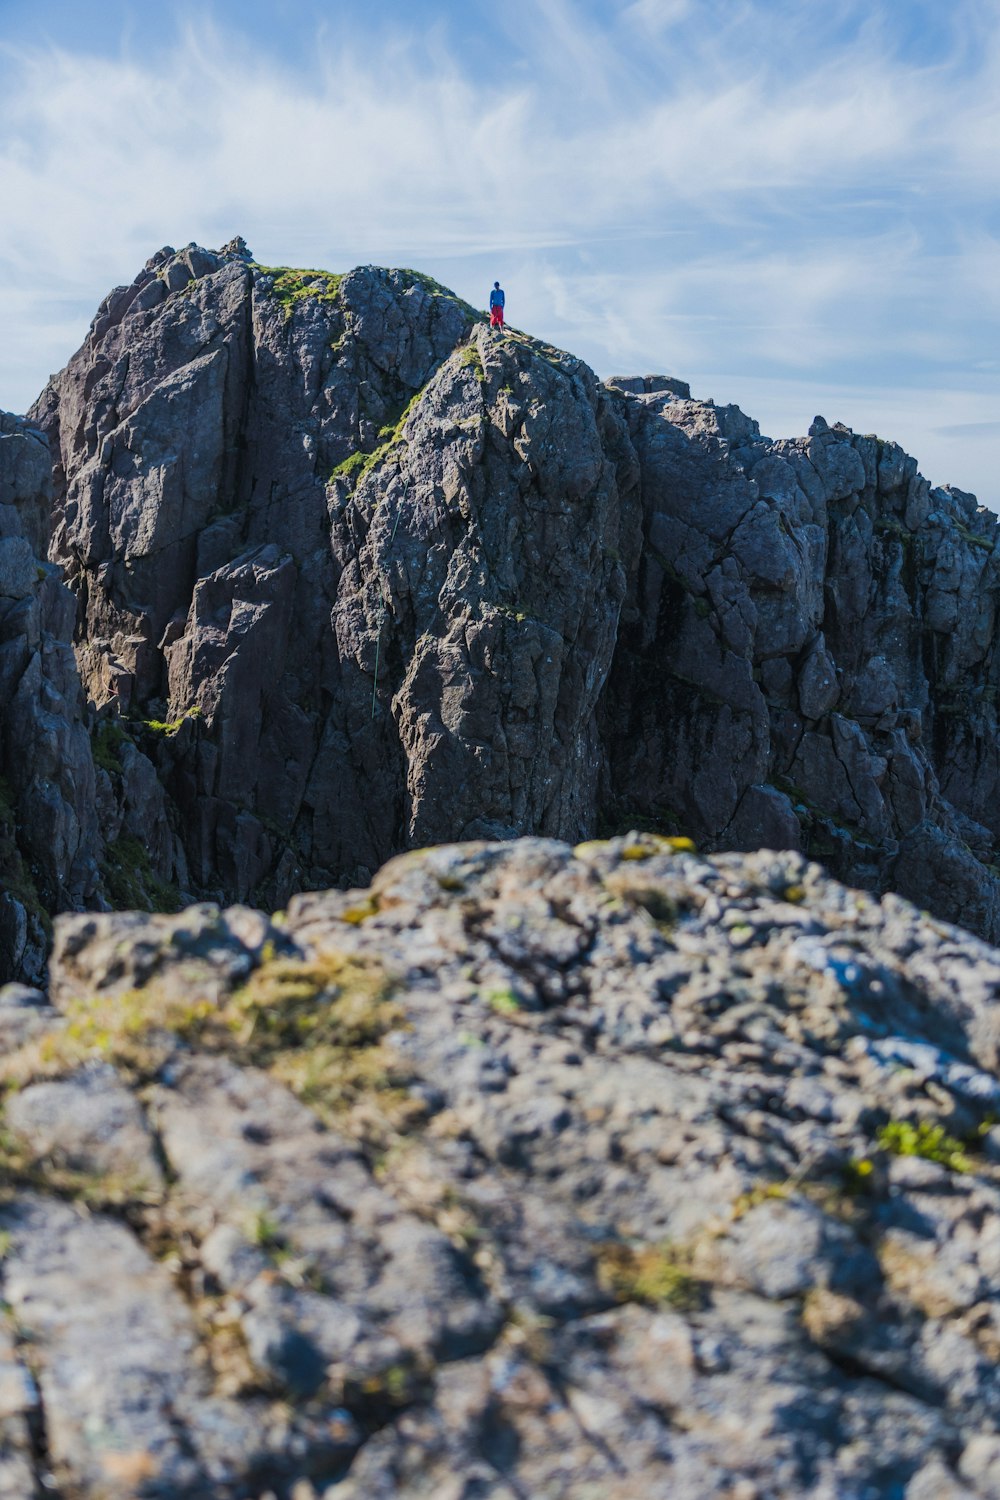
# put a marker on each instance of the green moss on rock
(16, 875)
(436, 289)
(168, 727)
(291, 287)
(129, 881)
(357, 465)
(926, 1140)
(106, 743)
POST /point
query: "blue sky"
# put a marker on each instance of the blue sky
(794, 206)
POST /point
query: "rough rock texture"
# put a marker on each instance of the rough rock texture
(49, 841)
(808, 656)
(70, 810)
(484, 560)
(359, 575)
(526, 1172)
(197, 427)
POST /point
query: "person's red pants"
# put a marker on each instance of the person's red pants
(496, 317)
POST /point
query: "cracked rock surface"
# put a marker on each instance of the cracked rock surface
(527, 1171)
(357, 575)
(49, 838)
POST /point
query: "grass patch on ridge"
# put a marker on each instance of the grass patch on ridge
(129, 881)
(318, 1025)
(290, 287)
(358, 464)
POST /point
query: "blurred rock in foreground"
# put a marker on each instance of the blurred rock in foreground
(528, 1171)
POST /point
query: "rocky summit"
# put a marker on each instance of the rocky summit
(569, 1156)
(347, 574)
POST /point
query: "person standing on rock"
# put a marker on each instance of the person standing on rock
(496, 307)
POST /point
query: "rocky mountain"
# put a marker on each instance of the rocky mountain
(353, 574)
(528, 1171)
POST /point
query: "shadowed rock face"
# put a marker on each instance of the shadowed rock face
(527, 1171)
(387, 579)
(66, 815)
(808, 656)
(196, 428)
(49, 841)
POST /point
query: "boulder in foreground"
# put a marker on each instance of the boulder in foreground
(526, 1171)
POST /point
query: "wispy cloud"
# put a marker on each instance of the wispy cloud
(794, 193)
(656, 16)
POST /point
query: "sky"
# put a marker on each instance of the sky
(791, 204)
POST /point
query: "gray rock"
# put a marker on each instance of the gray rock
(649, 385)
(936, 871)
(17, 567)
(818, 686)
(936, 1482)
(91, 1125)
(18, 996)
(390, 580)
(765, 819)
(785, 1249)
(176, 275)
(128, 1405)
(50, 842)
(526, 1169)
(91, 1299)
(313, 1188)
(980, 1462)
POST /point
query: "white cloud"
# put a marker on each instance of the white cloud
(734, 186)
(657, 16)
(424, 157)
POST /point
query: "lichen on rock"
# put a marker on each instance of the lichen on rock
(697, 1179)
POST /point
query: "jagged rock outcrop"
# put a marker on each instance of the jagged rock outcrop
(358, 574)
(197, 428)
(484, 563)
(808, 657)
(526, 1171)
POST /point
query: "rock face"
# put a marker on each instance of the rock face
(526, 1171)
(355, 574)
(483, 566)
(808, 658)
(82, 822)
(49, 842)
(196, 428)
(523, 1169)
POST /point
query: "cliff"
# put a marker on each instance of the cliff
(49, 839)
(355, 574)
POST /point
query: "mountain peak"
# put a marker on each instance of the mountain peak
(395, 578)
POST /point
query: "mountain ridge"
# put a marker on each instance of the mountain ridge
(351, 573)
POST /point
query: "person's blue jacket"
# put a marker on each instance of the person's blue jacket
(496, 297)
